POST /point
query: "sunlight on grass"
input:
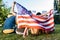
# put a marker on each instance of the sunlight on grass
(53, 36)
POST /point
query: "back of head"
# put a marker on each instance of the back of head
(38, 13)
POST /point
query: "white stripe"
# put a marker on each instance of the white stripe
(50, 16)
(30, 19)
(48, 26)
(48, 22)
(30, 24)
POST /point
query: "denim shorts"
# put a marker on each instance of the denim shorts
(9, 23)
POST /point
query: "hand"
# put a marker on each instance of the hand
(13, 5)
(14, 2)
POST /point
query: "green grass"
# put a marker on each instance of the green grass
(53, 36)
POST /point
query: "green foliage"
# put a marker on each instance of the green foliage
(3, 12)
(13, 36)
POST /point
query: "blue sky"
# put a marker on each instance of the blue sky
(37, 5)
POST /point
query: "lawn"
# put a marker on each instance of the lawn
(53, 36)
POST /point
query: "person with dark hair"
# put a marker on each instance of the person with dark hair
(38, 13)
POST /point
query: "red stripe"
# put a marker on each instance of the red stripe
(27, 17)
(48, 24)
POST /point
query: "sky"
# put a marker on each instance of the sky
(36, 5)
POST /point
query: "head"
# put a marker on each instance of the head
(38, 13)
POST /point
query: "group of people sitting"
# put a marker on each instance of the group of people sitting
(11, 24)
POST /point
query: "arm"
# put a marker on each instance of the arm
(12, 9)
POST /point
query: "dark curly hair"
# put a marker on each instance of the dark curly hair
(38, 13)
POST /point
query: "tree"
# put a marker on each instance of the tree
(55, 5)
(3, 12)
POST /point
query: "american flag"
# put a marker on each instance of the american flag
(34, 21)
(46, 22)
(20, 9)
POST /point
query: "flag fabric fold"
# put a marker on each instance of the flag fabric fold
(25, 20)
